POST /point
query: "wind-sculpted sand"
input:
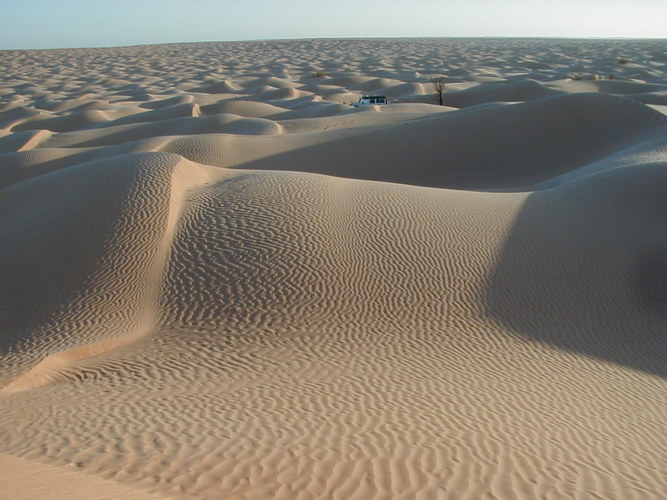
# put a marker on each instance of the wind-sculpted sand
(222, 281)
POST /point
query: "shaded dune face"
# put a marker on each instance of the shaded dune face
(81, 246)
(504, 147)
(489, 148)
(579, 251)
(219, 280)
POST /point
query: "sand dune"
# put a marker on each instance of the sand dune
(502, 146)
(219, 280)
(517, 91)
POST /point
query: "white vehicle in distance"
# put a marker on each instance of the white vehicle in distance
(371, 99)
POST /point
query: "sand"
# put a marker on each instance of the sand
(222, 281)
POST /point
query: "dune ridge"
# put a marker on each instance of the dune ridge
(220, 280)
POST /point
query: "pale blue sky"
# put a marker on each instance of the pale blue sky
(94, 23)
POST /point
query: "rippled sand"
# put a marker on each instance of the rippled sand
(220, 280)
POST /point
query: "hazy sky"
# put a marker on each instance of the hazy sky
(93, 23)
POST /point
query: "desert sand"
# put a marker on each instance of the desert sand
(222, 281)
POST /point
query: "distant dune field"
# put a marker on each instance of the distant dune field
(220, 280)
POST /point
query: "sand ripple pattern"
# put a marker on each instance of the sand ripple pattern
(210, 290)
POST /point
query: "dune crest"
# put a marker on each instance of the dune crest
(221, 280)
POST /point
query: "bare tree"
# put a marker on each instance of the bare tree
(439, 85)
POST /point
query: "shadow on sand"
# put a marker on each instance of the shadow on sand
(583, 268)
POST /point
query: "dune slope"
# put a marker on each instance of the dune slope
(219, 280)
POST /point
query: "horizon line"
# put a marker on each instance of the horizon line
(374, 37)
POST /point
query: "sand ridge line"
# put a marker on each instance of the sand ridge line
(64, 365)
(185, 176)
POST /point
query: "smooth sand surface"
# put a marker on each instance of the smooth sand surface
(222, 281)
(30, 480)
